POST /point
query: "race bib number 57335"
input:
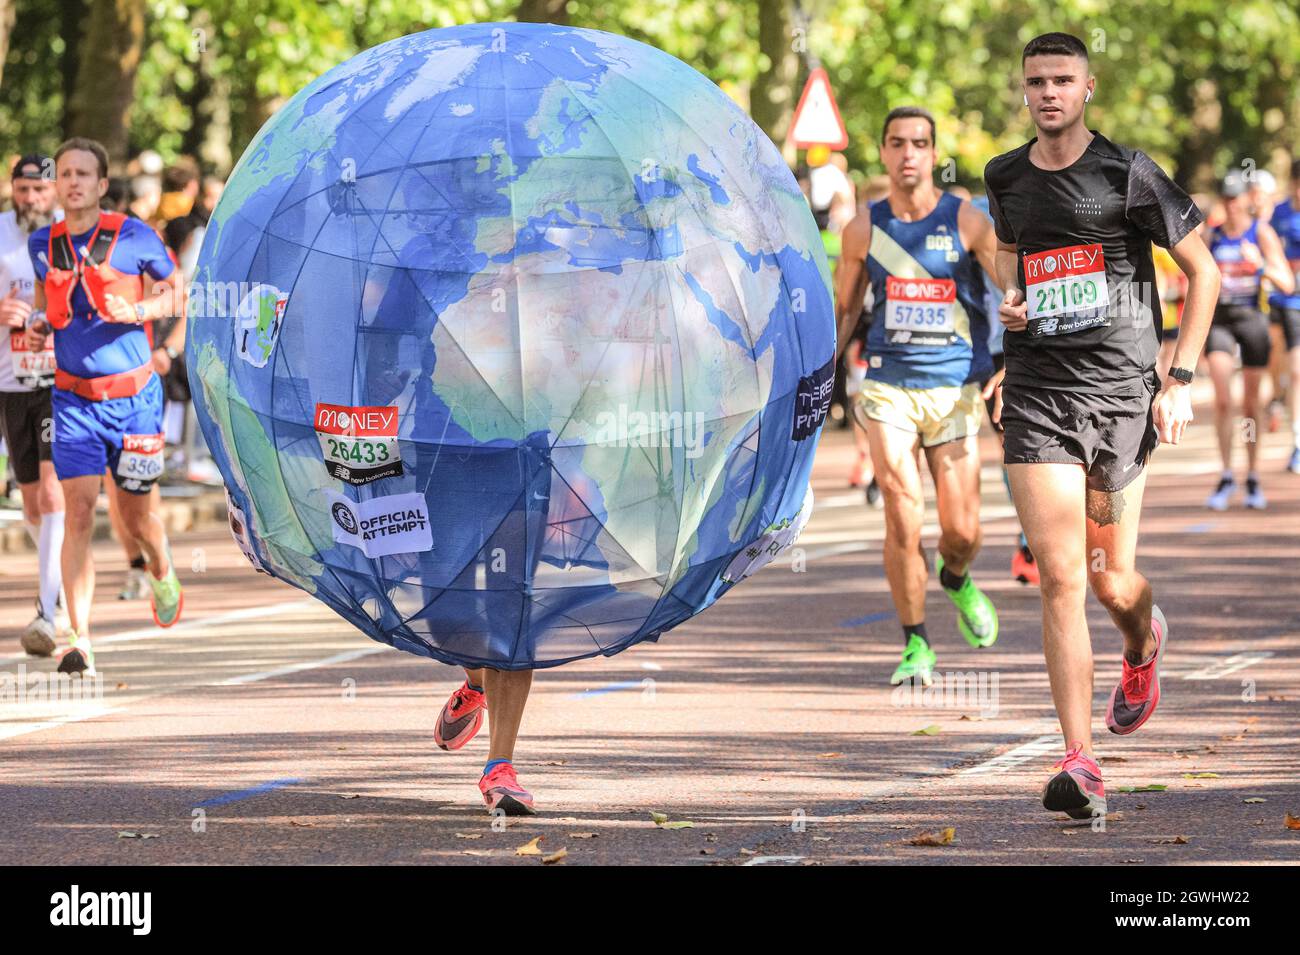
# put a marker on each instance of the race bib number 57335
(359, 443)
(1066, 290)
(920, 311)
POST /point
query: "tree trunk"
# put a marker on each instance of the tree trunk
(1195, 159)
(543, 11)
(771, 99)
(109, 55)
(208, 103)
(8, 11)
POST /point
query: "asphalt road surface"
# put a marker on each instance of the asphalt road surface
(263, 729)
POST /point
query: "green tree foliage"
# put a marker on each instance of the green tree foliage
(1200, 84)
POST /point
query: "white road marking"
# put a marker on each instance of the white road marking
(300, 667)
(234, 616)
(1238, 661)
(773, 860)
(1035, 748)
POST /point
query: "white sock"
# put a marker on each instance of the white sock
(49, 549)
(1295, 432)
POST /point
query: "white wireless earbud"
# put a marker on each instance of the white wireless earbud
(1088, 98)
(1026, 99)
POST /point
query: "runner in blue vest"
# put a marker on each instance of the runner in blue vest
(1247, 251)
(1285, 309)
(920, 251)
(100, 276)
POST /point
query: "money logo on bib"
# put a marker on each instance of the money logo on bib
(359, 444)
(1066, 290)
(920, 311)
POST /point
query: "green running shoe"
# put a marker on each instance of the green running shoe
(168, 599)
(917, 664)
(977, 619)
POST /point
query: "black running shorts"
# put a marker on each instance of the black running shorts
(1289, 319)
(1110, 436)
(27, 422)
(1240, 325)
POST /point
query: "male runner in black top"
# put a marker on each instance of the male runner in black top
(1075, 216)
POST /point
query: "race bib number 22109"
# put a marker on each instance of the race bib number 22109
(1065, 290)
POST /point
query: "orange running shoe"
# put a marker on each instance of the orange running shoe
(501, 790)
(461, 717)
(1023, 567)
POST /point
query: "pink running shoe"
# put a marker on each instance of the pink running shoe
(460, 718)
(1134, 700)
(501, 790)
(1077, 790)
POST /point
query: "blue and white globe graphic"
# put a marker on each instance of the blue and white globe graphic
(512, 343)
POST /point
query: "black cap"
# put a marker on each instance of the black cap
(32, 166)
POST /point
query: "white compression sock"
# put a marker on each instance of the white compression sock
(49, 549)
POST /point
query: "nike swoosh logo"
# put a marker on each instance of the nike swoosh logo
(1188, 212)
(1129, 467)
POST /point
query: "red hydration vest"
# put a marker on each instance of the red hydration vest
(66, 268)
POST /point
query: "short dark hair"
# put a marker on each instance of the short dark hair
(1054, 44)
(85, 145)
(1295, 170)
(180, 174)
(907, 112)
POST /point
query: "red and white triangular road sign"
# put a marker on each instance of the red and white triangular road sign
(817, 118)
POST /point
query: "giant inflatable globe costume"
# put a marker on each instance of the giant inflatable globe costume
(512, 343)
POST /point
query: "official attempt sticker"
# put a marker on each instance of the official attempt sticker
(1066, 290)
(382, 526)
(359, 443)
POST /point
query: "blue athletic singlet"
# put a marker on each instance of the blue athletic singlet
(1239, 280)
(929, 328)
(90, 347)
(1286, 223)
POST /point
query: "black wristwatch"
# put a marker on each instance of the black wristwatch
(1181, 375)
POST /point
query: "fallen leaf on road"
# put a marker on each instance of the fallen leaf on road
(556, 762)
(1134, 860)
(469, 835)
(970, 719)
(477, 852)
(943, 838)
(749, 852)
(829, 755)
(1200, 775)
(555, 856)
(349, 795)
(530, 848)
(302, 825)
(706, 852)
(1255, 799)
(583, 835)
(1114, 759)
(661, 820)
(1292, 822)
(821, 838)
(932, 730)
(1175, 841)
(1148, 788)
(137, 835)
(121, 686)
